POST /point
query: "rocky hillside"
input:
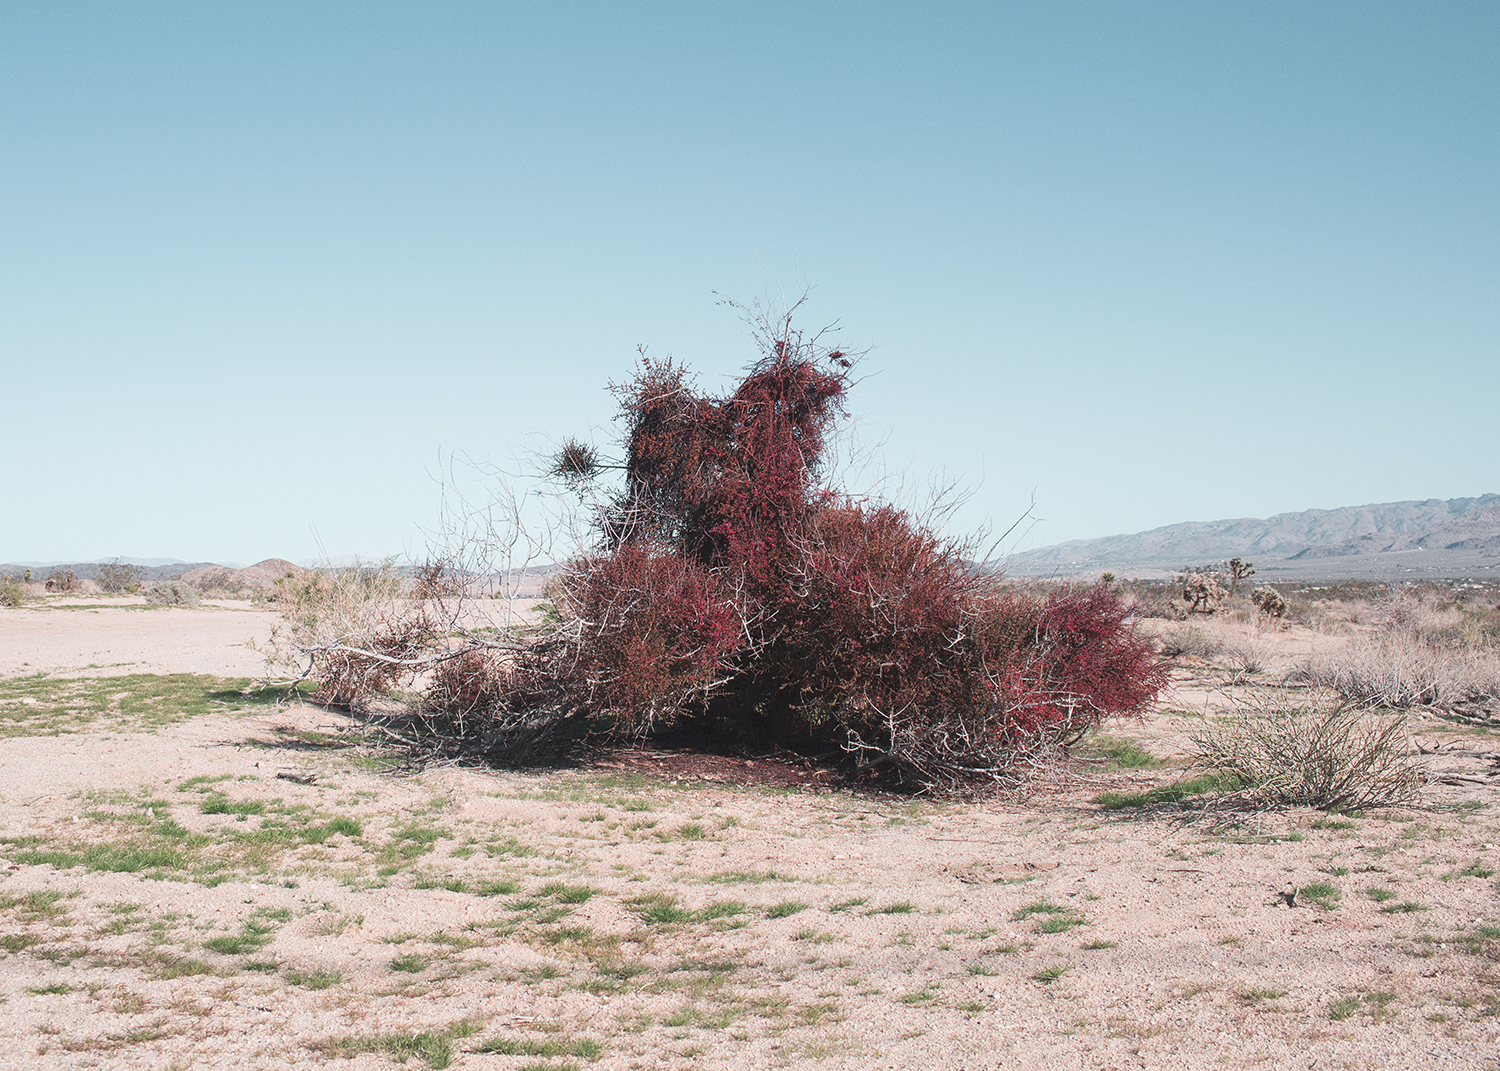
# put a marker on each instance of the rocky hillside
(1352, 540)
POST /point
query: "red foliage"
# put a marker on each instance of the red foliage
(1060, 665)
(869, 625)
(870, 617)
(656, 635)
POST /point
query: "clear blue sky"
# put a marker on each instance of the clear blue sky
(263, 265)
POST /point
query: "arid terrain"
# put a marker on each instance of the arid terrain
(196, 876)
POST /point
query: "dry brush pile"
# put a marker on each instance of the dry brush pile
(728, 589)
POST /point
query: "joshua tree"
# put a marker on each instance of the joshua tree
(1239, 570)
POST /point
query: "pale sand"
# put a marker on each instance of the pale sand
(1205, 966)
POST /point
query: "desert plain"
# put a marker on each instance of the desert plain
(194, 874)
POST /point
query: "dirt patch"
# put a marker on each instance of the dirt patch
(168, 900)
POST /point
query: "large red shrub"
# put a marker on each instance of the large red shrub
(729, 583)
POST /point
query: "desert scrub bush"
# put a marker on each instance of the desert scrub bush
(729, 587)
(1400, 669)
(1248, 649)
(1191, 641)
(1269, 601)
(1339, 756)
(117, 576)
(12, 592)
(173, 593)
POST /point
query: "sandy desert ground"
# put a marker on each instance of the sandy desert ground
(171, 898)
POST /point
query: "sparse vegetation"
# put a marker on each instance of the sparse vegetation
(1282, 754)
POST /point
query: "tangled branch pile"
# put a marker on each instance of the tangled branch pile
(730, 589)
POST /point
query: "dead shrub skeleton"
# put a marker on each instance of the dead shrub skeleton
(729, 589)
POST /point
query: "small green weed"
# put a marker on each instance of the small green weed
(1404, 907)
(1039, 907)
(567, 894)
(660, 909)
(435, 1047)
(846, 905)
(585, 1048)
(315, 980)
(1325, 894)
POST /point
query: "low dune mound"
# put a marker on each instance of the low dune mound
(261, 576)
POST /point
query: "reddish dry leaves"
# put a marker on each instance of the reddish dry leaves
(731, 585)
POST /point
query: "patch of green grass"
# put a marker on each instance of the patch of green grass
(1048, 975)
(109, 858)
(315, 980)
(409, 842)
(1473, 940)
(746, 877)
(1374, 1004)
(42, 706)
(585, 1048)
(36, 906)
(218, 803)
(180, 967)
(900, 907)
(441, 881)
(1404, 907)
(785, 909)
(722, 909)
(410, 963)
(435, 1047)
(1098, 945)
(1379, 895)
(235, 945)
(1059, 923)
(52, 989)
(1177, 792)
(1257, 995)
(690, 831)
(568, 894)
(845, 905)
(660, 909)
(1475, 869)
(1323, 893)
(1038, 907)
(497, 887)
(1123, 754)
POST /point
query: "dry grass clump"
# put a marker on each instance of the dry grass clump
(1422, 653)
(173, 593)
(1400, 670)
(353, 630)
(1249, 648)
(1188, 641)
(1332, 757)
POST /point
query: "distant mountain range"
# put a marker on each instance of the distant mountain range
(1453, 537)
(160, 569)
